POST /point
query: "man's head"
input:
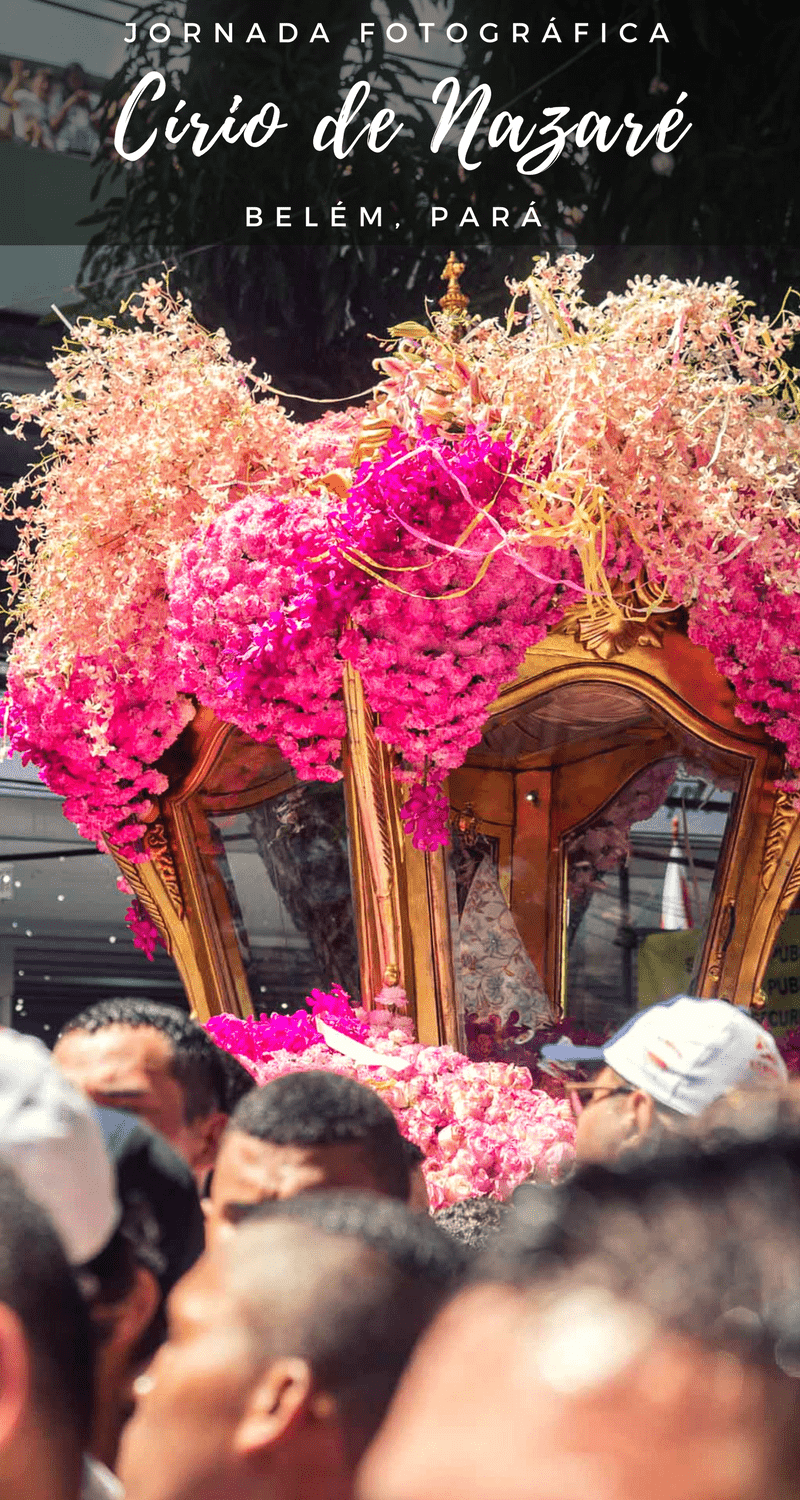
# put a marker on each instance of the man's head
(75, 77)
(50, 1136)
(42, 83)
(160, 1238)
(286, 1343)
(640, 1335)
(305, 1131)
(417, 1186)
(45, 1355)
(662, 1069)
(155, 1062)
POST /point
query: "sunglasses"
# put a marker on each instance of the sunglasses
(581, 1095)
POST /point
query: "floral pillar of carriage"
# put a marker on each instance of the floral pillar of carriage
(512, 650)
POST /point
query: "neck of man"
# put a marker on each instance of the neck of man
(40, 1469)
(313, 1467)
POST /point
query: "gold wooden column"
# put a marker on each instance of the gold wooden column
(214, 768)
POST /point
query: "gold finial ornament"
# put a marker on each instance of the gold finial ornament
(454, 303)
(375, 432)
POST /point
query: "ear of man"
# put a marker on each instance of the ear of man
(639, 1114)
(279, 1403)
(207, 1136)
(124, 1322)
(120, 1326)
(15, 1374)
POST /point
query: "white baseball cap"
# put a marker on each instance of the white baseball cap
(50, 1136)
(686, 1053)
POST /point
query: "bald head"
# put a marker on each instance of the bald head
(573, 1398)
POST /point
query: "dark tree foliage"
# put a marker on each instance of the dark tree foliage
(303, 306)
(172, 197)
(732, 179)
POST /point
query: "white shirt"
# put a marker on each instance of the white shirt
(98, 1482)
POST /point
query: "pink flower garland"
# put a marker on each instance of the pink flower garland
(482, 1126)
(255, 1038)
(456, 607)
(106, 774)
(272, 597)
(255, 616)
(145, 429)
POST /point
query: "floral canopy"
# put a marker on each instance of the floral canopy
(191, 543)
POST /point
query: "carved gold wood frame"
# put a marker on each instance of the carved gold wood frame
(217, 769)
(760, 872)
(401, 895)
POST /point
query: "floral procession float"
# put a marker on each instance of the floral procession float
(490, 687)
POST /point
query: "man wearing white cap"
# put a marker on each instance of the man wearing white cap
(125, 1207)
(663, 1068)
(51, 1137)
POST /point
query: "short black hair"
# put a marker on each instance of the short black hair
(196, 1060)
(414, 1154)
(238, 1081)
(38, 1284)
(692, 1233)
(317, 1108)
(364, 1285)
(704, 1237)
(473, 1221)
(162, 1220)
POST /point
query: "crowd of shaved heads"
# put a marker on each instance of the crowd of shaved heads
(211, 1290)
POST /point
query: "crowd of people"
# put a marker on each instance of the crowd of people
(53, 113)
(212, 1289)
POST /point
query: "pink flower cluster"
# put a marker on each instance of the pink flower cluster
(189, 541)
(255, 1038)
(657, 434)
(752, 628)
(269, 600)
(789, 1047)
(143, 929)
(100, 759)
(482, 1126)
(454, 605)
(256, 607)
(424, 816)
(146, 429)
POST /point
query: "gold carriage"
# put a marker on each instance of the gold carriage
(579, 734)
(618, 836)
